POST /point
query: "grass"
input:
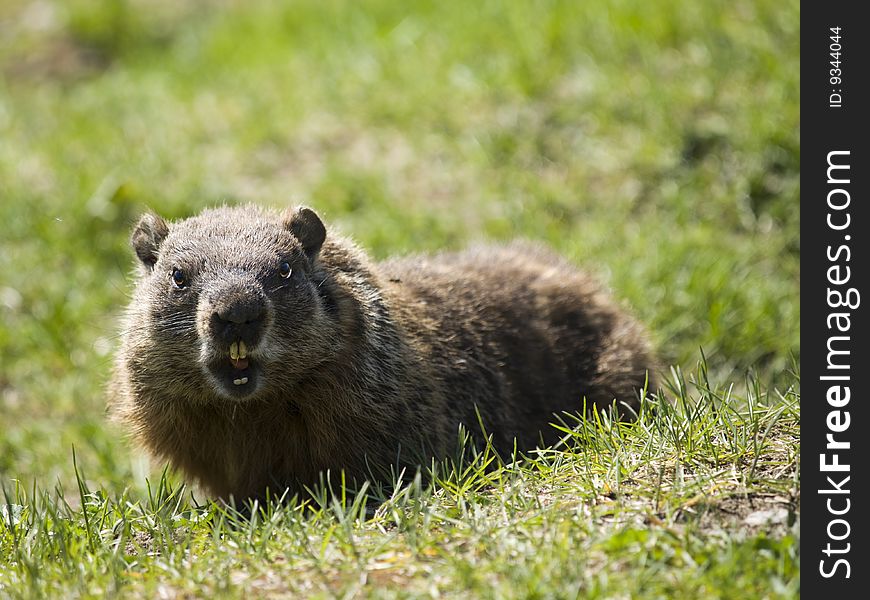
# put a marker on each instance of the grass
(656, 144)
(695, 499)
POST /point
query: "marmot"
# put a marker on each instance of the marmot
(258, 351)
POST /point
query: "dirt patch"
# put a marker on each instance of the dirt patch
(751, 514)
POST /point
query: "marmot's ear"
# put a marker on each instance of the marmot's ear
(147, 236)
(308, 229)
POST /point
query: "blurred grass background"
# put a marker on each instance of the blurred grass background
(657, 144)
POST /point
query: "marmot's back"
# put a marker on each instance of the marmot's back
(259, 352)
(520, 333)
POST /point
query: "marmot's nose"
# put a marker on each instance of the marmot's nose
(241, 313)
(239, 317)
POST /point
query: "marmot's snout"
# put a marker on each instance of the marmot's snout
(234, 318)
(239, 313)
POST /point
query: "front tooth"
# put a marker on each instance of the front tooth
(234, 351)
(243, 350)
(241, 381)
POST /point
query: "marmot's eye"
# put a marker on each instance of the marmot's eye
(179, 278)
(285, 270)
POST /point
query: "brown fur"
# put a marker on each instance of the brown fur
(354, 366)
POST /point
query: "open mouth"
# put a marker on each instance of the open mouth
(238, 374)
(239, 361)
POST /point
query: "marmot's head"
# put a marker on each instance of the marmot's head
(229, 304)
